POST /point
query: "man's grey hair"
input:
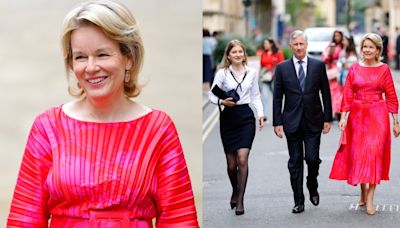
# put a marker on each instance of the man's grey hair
(296, 34)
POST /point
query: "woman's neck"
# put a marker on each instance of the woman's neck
(105, 110)
(238, 67)
(370, 62)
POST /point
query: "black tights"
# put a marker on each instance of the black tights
(238, 170)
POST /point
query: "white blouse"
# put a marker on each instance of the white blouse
(248, 91)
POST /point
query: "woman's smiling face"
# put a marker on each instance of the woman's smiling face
(98, 63)
(370, 51)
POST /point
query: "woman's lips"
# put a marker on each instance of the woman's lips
(96, 80)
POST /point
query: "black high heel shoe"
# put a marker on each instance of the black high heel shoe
(233, 200)
(239, 212)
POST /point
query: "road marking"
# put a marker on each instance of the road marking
(392, 208)
(282, 152)
(327, 158)
(209, 124)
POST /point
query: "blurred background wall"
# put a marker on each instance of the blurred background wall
(32, 76)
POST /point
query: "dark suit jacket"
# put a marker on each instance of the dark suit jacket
(299, 104)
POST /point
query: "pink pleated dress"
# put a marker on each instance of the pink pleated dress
(369, 96)
(86, 174)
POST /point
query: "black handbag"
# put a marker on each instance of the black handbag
(221, 94)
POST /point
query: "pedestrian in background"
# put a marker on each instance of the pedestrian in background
(385, 44)
(237, 122)
(348, 58)
(102, 160)
(397, 56)
(209, 44)
(331, 57)
(215, 37)
(270, 57)
(364, 155)
(299, 81)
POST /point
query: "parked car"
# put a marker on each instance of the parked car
(319, 38)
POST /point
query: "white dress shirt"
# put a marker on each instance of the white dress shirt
(248, 91)
(297, 65)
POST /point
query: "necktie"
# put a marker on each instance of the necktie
(302, 75)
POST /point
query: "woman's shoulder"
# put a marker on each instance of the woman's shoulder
(250, 69)
(160, 121)
(50, 112)
(221, 74)
(46, 117)
(221, 71)
(159, 114)
(355, 65)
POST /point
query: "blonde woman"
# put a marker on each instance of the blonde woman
(103, 160)
(369, 97)
(237, 122)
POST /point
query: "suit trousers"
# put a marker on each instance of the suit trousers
(303, 144)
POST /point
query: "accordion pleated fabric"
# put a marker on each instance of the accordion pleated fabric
(365, 158)
(72, 167)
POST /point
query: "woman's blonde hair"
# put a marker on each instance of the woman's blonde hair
(226, 62)
(117, 23)
(377, 40)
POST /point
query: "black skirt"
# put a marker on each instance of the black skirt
(237, 127)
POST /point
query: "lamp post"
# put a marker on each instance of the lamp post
(246, 4)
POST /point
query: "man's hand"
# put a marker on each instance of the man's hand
(279, 131)
(327, 127)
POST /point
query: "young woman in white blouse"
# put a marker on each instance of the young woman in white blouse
(237, 121)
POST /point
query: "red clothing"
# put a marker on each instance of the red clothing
(331, 59)
(72, 168)
(365, 158)
(269, 60)
(331, 62)
(336, 94)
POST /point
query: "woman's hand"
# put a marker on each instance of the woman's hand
(261, 121)
(396, 129)
(228, 102)
(342, 123)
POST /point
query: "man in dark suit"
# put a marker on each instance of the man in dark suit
(300, 80)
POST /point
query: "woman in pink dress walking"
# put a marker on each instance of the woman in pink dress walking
(364, 154)
(331, 57)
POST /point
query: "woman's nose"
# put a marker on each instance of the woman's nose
(91, 65)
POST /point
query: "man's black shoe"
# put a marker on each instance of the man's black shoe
(314, 199)
(298, 209)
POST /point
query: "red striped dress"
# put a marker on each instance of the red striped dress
(72, 170)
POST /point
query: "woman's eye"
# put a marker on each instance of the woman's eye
(103, 54)
(79, 57)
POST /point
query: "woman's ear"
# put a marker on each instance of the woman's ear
(129, 63)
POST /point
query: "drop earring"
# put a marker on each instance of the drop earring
(127, 77)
